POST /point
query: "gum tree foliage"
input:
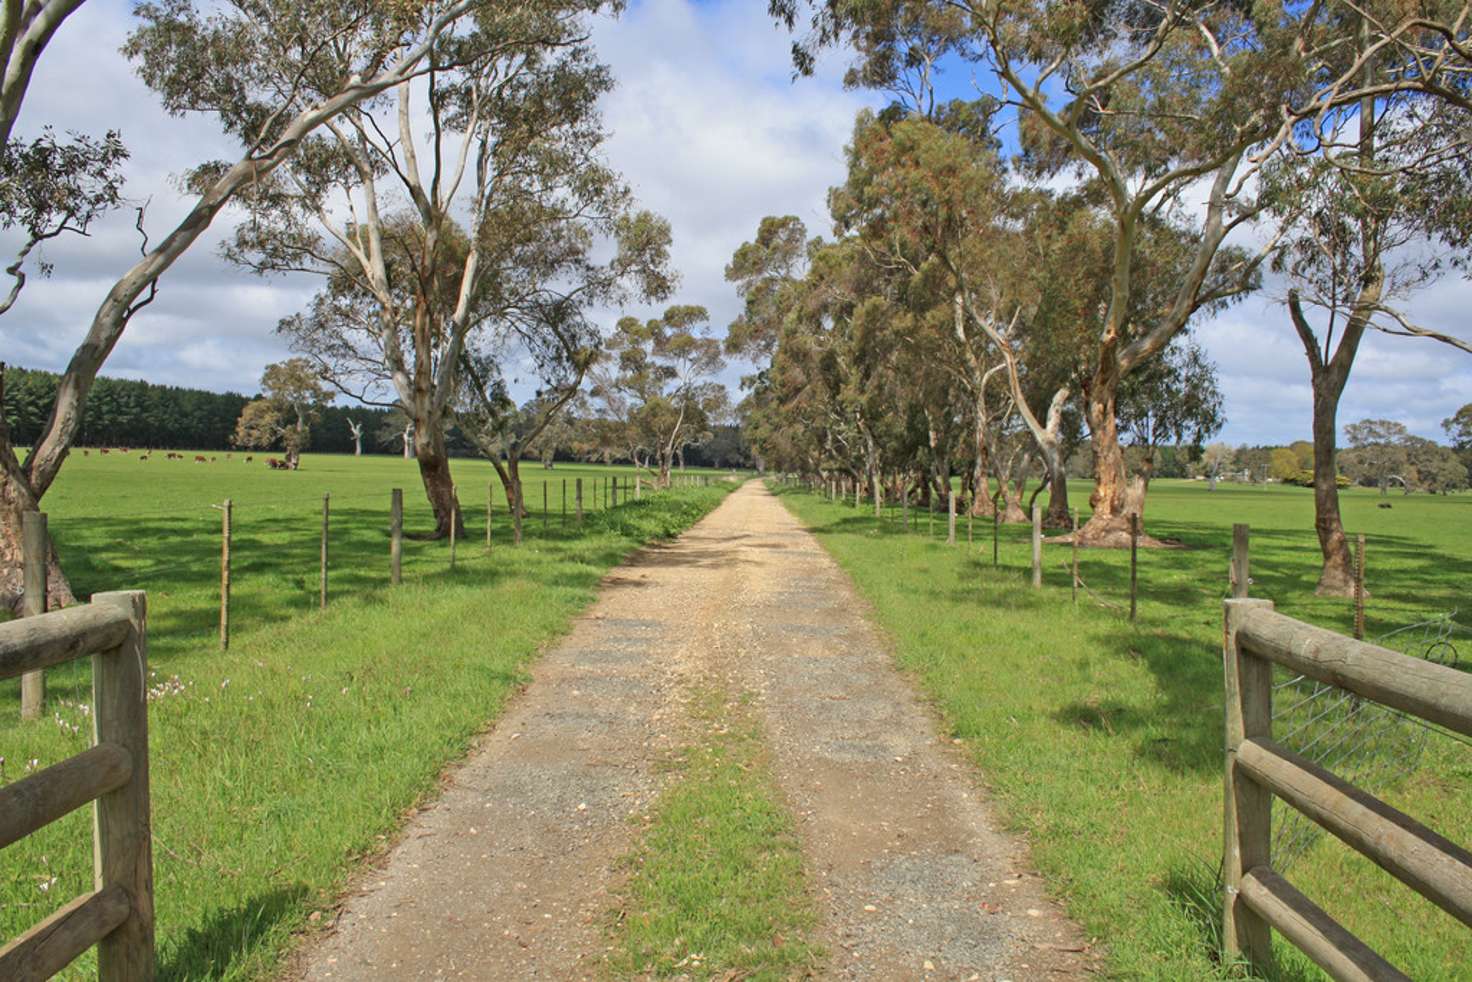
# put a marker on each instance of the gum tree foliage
(660, 373)
(49, 186)
(471, 202)
(228, 61)
(1170, 108)
(1372, 203)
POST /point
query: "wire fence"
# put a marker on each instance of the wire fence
(1371, 746)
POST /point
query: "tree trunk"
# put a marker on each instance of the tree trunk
(1109, 526)
(1336, 579)
(439, 486)
(1013, 513)
(16, 499)
(1058, 515)
(981, 499)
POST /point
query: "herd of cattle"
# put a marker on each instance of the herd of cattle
(274, 463)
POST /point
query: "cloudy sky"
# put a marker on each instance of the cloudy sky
(707, 126)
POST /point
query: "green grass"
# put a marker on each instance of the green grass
(1103, 740)
(716, 889)
(278, 764)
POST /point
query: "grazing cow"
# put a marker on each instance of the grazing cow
(142, 457)
(199, 459)
(102, 450)
(213, 459)
(86, 453)
(249, 459)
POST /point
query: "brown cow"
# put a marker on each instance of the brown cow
(199, 459)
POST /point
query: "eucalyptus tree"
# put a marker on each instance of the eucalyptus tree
(475, 199)
(1151, 106)
(1374, 205)
(228, 62)
(664, 369)
(293, 398)
(562, 347)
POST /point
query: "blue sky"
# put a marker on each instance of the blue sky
(710, 130)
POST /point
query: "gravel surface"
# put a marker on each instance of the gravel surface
(511, 873)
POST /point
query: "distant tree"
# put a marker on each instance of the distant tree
(1380, 451)
(1171, 399)
(293, 397)
(1303, 450)
(1214, 458)
(1283, 465)
(397, 430)
(665, 368)
(1433, 468)
(1458, 427)
(356, 428)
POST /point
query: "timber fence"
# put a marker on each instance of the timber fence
(117, 916)
(1260, 769)
(325, 546)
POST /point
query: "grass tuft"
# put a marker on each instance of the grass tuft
(716, 886)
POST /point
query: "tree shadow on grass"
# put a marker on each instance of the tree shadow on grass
(210, 950)
(1180, 727)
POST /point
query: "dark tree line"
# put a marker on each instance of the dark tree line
(131, 413)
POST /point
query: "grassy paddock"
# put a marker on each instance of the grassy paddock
(1103, 740)
(276, 765)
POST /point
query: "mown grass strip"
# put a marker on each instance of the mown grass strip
(1103, 740)
(277, 765)
(716, 888)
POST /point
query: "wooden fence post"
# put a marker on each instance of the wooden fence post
(1134, 564)
(905, 506)
(579, 495)
(322, 583)
(638, 487)
(1037, 546)
(1247, 818)
(1075, 557)
(996, 534)
(858, 489)
(878, 497)
(950, 515)
(35, 550)
(1241, 569)
(1359, 587)
(396, 536)
(613, 492)
(123, 840)
(225, 517)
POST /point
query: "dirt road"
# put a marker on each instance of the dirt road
(509, 875)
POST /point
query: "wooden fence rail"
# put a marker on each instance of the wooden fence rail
(117, 915)
(1257, 899)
